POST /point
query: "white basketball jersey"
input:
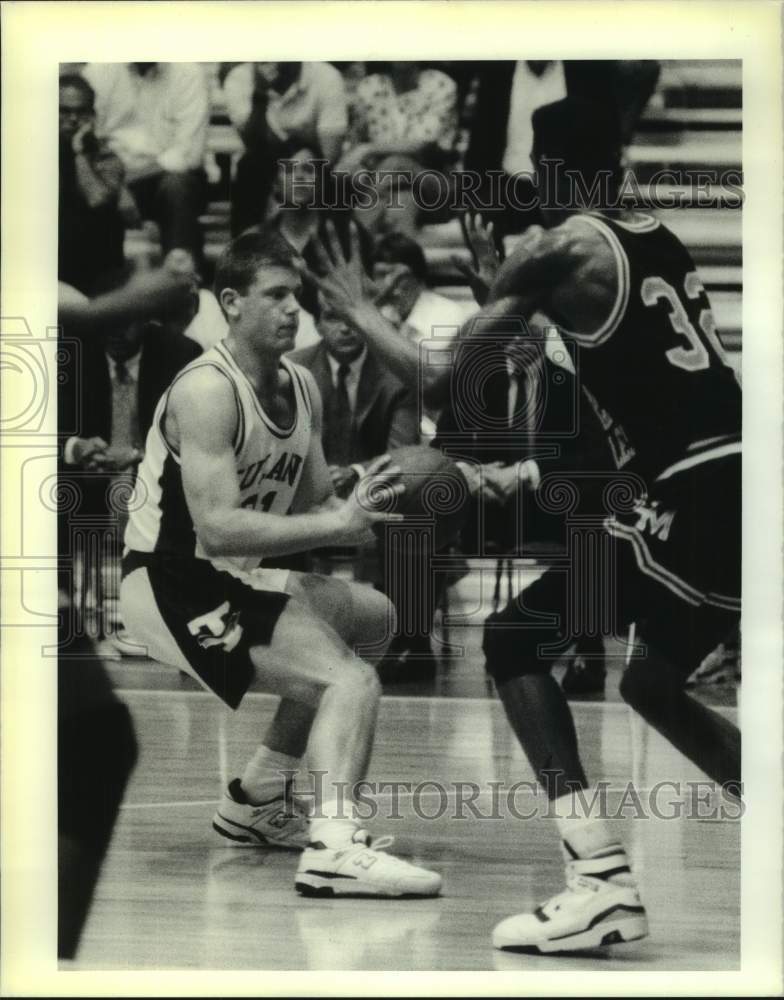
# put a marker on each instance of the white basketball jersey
(269, 461)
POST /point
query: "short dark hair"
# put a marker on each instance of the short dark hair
(396, 248)
(76, 82)
(241, 259)
(584, 133)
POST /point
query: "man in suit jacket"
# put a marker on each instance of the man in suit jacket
(109, 388)
(145, 356)
(367, 410)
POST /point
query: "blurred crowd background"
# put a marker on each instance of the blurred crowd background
(160, 164)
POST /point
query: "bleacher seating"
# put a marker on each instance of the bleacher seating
(692, 123)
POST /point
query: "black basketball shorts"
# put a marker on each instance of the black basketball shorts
(192, 616)
(672, 566)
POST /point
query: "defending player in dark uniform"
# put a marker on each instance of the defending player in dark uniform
(653, 370)
(234, 473)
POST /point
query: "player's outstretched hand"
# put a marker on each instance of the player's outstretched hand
(370, 502)
(342, 280)
(481, 273)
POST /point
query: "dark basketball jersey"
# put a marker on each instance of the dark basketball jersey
(655, 373)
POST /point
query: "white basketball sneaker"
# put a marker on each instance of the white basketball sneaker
(362, 869)
(600, 906)
(277, 823)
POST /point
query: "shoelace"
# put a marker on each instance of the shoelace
(362, 838)
(381, 843)
(574, 884)
(554, 904)
(364, 842)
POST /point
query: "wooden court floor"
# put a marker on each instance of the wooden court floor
(173, 896)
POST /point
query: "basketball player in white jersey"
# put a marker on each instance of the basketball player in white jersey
(234, 473)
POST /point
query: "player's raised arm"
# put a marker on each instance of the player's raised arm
(538, 263)
(569, 272)
(344, 286)
(164, 291)
(202, 416)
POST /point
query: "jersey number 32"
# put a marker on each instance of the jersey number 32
(696, 356)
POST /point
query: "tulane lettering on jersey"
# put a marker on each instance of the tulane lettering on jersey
(285, 469)
(655, 372)
(268, 460)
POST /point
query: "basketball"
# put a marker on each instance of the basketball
(436, 492)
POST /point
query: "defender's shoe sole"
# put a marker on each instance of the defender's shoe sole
(618, 924)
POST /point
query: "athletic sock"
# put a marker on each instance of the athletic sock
(334, 825)
(584, 836)
(262, 779)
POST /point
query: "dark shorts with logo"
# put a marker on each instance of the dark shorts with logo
(672, 567)
(187, 610)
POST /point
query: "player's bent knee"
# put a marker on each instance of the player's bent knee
(367, 682)
(375, 613)
(358, 681)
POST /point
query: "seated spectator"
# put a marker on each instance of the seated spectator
(108, 391)
(353, 74)
(113, 388)
(367, 410)
(406, 120)
(91, 224)
(536, 399)
(275, 106)
(154, 117)
(507, 95)
(301, 209)
(400, 271)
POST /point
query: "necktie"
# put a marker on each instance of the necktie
(125, 433)
(125, 422)
(525, 394)
(340, 443)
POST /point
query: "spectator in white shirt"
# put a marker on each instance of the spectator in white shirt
(405, 125)
(400, 271)
(91, 226)
(154, 117)
(278, 106)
